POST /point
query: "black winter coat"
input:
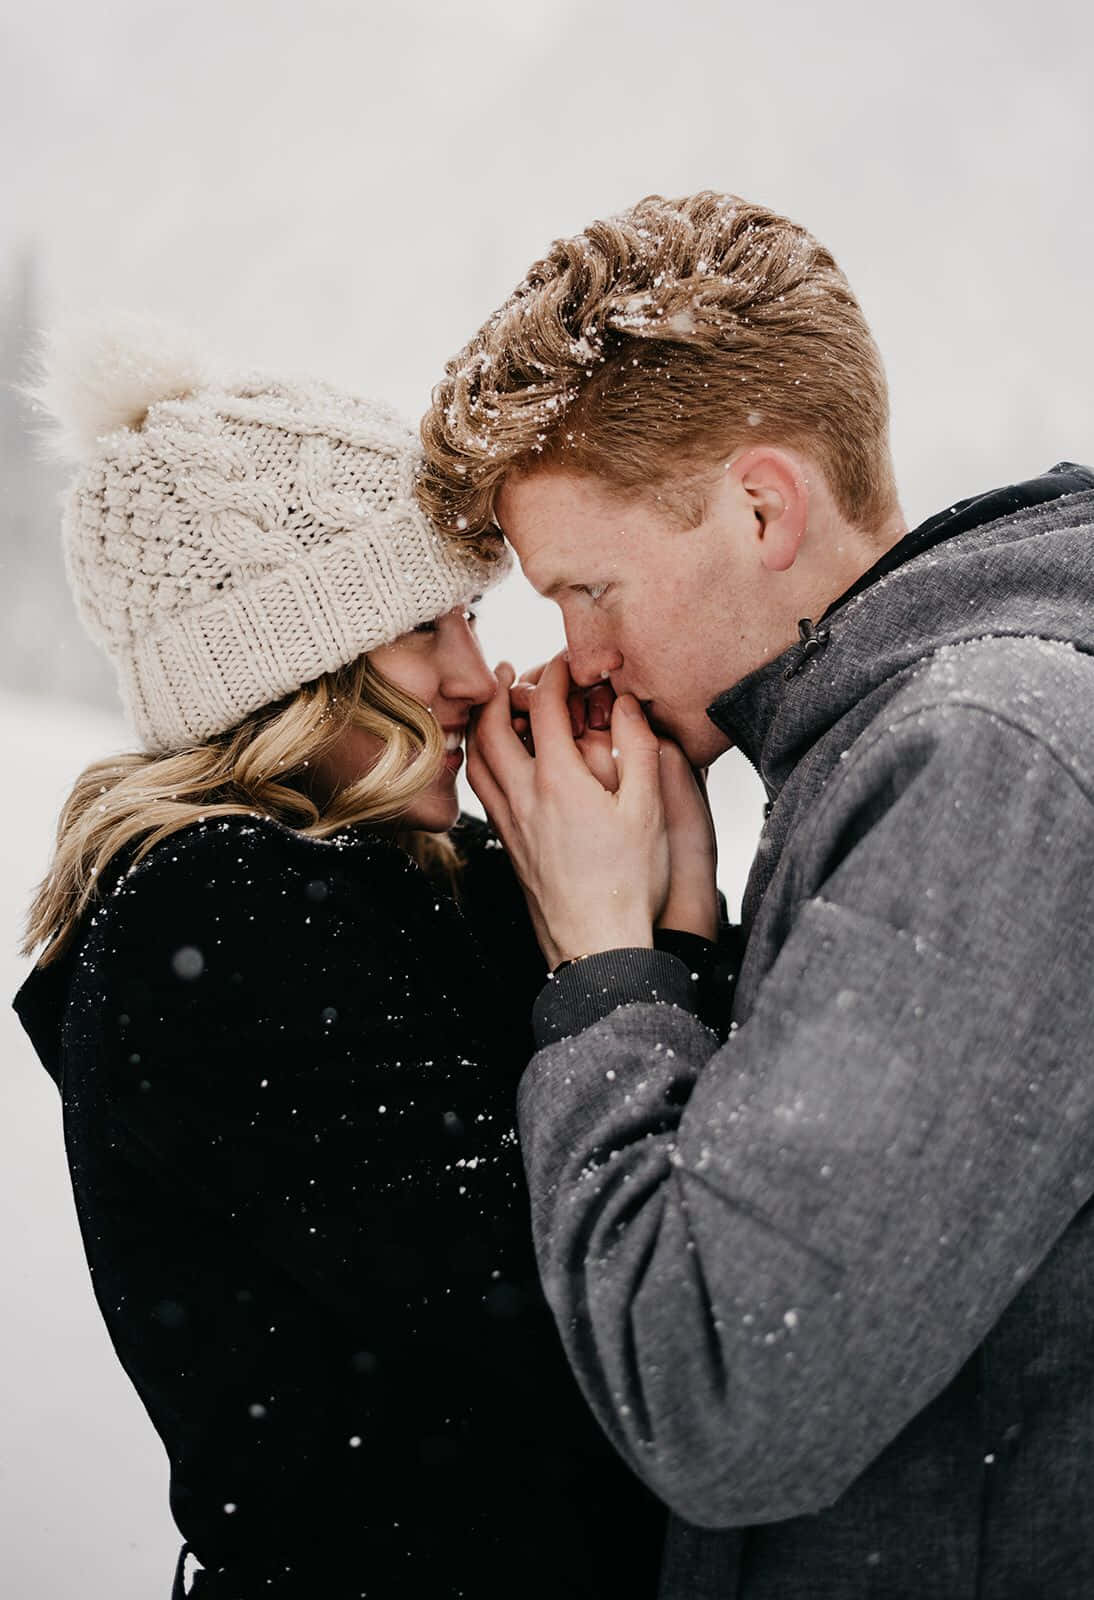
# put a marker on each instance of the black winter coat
(288, 1070)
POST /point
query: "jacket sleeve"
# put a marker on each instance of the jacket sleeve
(765, 1258)
(286, 1042)
(493, 903)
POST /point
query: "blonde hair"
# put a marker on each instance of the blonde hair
(261, 767)
(650, 345)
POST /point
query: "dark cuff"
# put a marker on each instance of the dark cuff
(714, 968)
(693, 950)
(592, 988)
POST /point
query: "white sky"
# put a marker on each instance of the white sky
(349, 189)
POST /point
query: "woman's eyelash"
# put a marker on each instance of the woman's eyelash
(431, 627)
(593, 590)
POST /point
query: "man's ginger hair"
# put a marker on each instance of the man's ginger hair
(647, 348)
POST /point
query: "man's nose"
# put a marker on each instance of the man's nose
(591, 662)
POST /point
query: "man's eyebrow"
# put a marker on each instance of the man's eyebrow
(550, 589)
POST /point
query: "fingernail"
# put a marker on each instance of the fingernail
(629, 705)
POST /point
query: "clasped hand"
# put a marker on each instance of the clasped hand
(608, 829)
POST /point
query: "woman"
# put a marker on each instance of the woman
(287, 1011)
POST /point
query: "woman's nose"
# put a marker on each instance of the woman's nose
(467, 676)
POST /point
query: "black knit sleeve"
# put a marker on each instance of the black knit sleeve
(713, 966)
(493, 905)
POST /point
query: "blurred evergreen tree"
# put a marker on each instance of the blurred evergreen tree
(44, 650)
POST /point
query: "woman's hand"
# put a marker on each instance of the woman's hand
(594, 864)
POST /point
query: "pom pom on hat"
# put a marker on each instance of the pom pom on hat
(96, 377)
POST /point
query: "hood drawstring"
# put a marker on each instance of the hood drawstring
(812, 640)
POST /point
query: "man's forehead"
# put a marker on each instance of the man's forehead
(548, 551)
(549, 498)
(560, 528)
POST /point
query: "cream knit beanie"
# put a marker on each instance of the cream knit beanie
(228, 541)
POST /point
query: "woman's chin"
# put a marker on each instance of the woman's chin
(435, 812)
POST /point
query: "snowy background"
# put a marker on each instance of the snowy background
(348, 189)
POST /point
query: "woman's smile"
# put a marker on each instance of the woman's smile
(453, 744)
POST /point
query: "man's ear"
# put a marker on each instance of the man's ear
(776, 489)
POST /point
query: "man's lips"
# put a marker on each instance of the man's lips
(599, 713)
(598, 708)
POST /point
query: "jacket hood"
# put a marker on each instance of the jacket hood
(1017, 561)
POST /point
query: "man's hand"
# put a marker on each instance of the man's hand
(590, 721)
(594, 865)
(692, 903)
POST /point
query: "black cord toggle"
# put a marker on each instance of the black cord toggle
(812, 640)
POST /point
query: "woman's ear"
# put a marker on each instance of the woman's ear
(778, 493)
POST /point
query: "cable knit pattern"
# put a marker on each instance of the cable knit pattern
(247, 538)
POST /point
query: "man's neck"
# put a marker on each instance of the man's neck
(839, 556)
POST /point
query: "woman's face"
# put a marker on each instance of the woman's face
(441, 665)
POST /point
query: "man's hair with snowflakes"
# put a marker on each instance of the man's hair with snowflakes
(649, 347)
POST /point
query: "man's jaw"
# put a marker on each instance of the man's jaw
(664, 729)
(660, 725)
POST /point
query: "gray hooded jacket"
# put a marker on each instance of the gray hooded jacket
(829, 1286)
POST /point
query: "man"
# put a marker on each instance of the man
(828, 1284)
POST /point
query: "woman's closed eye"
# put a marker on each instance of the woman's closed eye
(469, 616)
(593, 590)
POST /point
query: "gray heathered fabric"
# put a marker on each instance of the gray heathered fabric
(836, 1275)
